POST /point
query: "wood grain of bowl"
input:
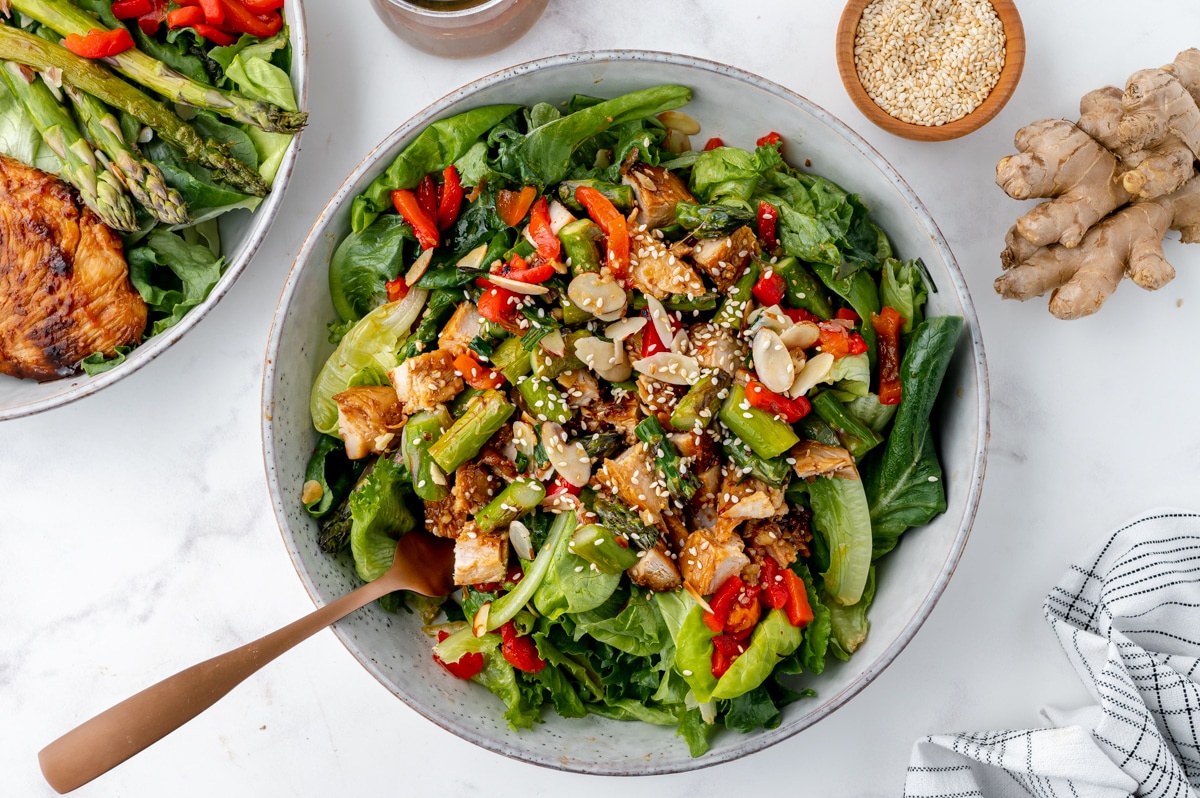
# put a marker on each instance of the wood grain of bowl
(1014, 62)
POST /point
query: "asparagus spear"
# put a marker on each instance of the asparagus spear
(544, 400)
(519, 497)
(600, 445)
(732, 313)
(619, 195)
(581, 244)
(136, 65)
(99, 189)
(140, 177)
(598, 546)
(621, 519)
(89, 76)
(681, 484)
(700, 404)
(855, 436)
(766, 436)
(773, 472)
(484, 415)
(420, 433)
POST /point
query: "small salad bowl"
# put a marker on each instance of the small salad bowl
(738, 107)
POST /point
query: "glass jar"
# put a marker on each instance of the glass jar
(459, 28)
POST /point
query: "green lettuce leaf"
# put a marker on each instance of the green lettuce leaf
(773, 639)
(752, 710)
(815, 644)
(363, 264)
(571, 585)
(172, 276)
(902, 287)
(841, 516)
(696, 732)
(329, 468)
(849, 625)
(693, 653)
(380, 516)
(637, 629)
(98, 362)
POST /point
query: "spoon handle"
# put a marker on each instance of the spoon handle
(100, 744)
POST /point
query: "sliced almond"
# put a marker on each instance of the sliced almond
(661, 319)
(678, 120)
(435, 474)
(598, 294)
(554, 344)
(312, 492)
(479, 624)
(772, 361)
(605, 358)
(570, 460)
(520, 539)
(620, 330)
(680, 342)
(421, 264)
(473, 260)
(670, 367)
(523, 438)
(801, 334)
(518, 287)
(560, 217)
(815, 370)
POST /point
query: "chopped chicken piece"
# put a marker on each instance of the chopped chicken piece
(480, 558)
(655, 570)
(724, 259)
(459, 331)
(703, 508)
(710, 557)
(498, 464)
(816, 459)
(659, 398)
(657, 191)
(655, 271)
(750, 498)
(580, 386)
(677, 530)
(64, 286)
(634, 475)
(716, 347)
(621, 414)
(784, 537)
(473, 488)
(426, 380)
(368, 417)
(442, 521)
(697, 447)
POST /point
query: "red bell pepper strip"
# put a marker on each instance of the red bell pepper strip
(835, 339)
(150, 21)
(466, 666)
(498, 305)
(722, 603)
(427, 196)
(99, 43)
(605, 214)
(799, 613)
(450, 197)
(772, 138)
(559, 486)
(800, 314)
(772, 590)
(520, 650)
(768, 218)
(537, 274)
(713, 143)
(409, 207)
(128, 9)
(745, 612)
(396, 289)
(214, 34)
(651, 343)
(240, 19)
(790, 410)
(513, 205)
(846, 314)
(858, 344)
(770, 288)
(262, 7)
(214, 12)
(887, 324)
(726, 648)
(548, 245)
(475, 374)
(185, 17)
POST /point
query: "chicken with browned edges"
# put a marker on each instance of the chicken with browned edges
(64, 285)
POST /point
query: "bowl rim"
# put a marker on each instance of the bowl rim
(264, 217)
(973, 483)
(1006, 84)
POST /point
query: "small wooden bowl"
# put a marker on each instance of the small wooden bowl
(1014, 62)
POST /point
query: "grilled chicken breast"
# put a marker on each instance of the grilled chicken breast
(64, 286)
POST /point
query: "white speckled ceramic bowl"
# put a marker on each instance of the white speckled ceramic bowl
(242, 233)
(738, 107)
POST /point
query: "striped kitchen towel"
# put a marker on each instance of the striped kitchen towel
(1129, 621)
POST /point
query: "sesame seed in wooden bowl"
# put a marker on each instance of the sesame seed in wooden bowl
(930, 87)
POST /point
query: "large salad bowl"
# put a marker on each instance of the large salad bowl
(242, 233)
(738, 107)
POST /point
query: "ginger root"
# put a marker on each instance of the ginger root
(1115, 182)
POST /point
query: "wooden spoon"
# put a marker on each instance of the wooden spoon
(422, 564)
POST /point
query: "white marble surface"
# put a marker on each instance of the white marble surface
(137, 538)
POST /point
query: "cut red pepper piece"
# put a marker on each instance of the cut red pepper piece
(214, 34)
(713, 143)
(722, 602)
(858, 344)
(99, 43)
(240, 19)
(800, 314)
(498, 305)
(185, 17)
(548, 245)
(846, 314)
(152, 19)
(726, 649)
(835, 339)
(128, 9)
(744, 614)
(799, 613)
(772, 590)
(651, 343)
(427, 196)
(409, 207)
(450, 197)
(537, 274)
(396, 289)
(214, 11)
(770, 138)
(770, 288)
(887, 324)
(467, 665)
(605, 214)
(559, 485)
(512, 206)
(475, 374)
(262, 7)
(768, 219)
(790, 410)
(519, 650)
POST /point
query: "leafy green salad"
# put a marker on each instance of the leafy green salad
(672, 405)
(161, 127)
